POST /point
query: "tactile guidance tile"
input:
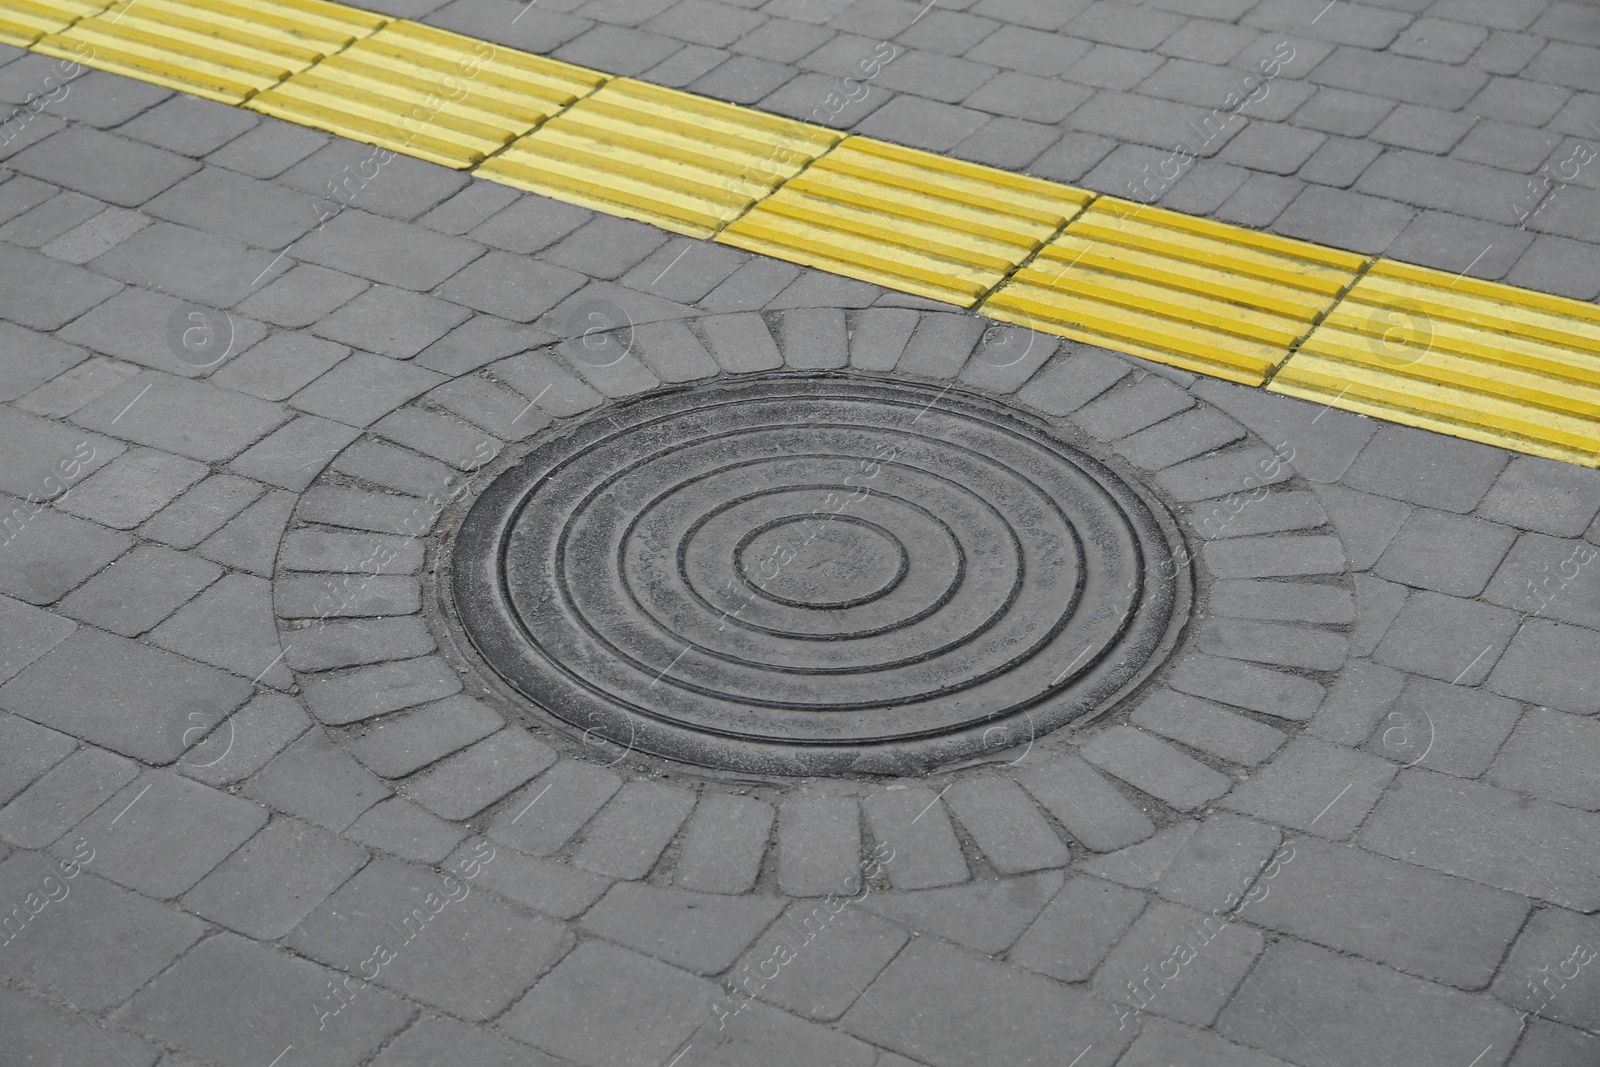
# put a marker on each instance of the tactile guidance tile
(1197, 294)
(909, 220)
(219, 49)
(23, 22)
(429, 93)
(679, 161)
(1475, 359)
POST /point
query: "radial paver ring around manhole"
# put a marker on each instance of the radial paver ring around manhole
(817, 576)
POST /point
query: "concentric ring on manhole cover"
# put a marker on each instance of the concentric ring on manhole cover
(817, 576)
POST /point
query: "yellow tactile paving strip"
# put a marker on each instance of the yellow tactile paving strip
(908, 220)
(23, 22)
(682, 162)
(429, 93)
(1201, 295)
(225, 50)
(1470, 358)
(1474, 359)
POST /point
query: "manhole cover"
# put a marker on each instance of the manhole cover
(816, 576)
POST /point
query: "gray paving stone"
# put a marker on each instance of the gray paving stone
(921, 123)
(360, 510)
(1162, 1042)
(557, 806)
(530, 224)
(1282, 601)
(1216, 864)
(102, 165)
(1071, 157)
(63, 797)
(224, 202)
(1279, 644)
(1397, 77)
(513, 287)
(1366, 523)
(700, 932)
(552, 387)
(322, 597)
(1545, 953)
(139, 591)
(54, 554)
(268, 149)
(275, 880)
(1141, 866)
(471, 948)
(162, 833)
(133, 325)
(243, 742)
(317, 781)
(400, 470)
(684, 270)
(1363, 695)
(502, 412)
(92, 945)
(1314, 786)
(606, 247)
(436, 1038)
(190, 264)
(1378, 604)
(1076, 930)
(1270, 512)
(1006, 824)
(46, 294)
(1208, 727)
(1424, 129)
(326, 550)
(366, 692)
(1551, 663)
(439, 436)
(1131, 408)
(878, 336)
(398, 744)
(1181, 437)
(383, 250)
(1234, 471)
(391, 322)
(1356, 1011)
(1340, 161)
(1319, 443)
(75, 388)
(363, 388)
(724, 844)
(400, 827)
(1422, 922)
(31, 750)
(1555, 1046)
(548, 886)
(188, 125)
(1091, 809)
(917, 830)
(673, 353)
(1555, 265)
(1446, 553)
(31, 359)
(461, 785)
(1011, 1014)
(821, 950)
(1074, 381)
(194, 419)
(628, 836)
(1006, 143)
(1245, 685)
(302, 295)
(230, 626)
(1463, 828)
(1453, 640)
(741, 343)
(813, 338)
(1275, 557)
(271, 1013)
(1155, 767)
(752, 287)
(819, 846)
(1548, 756)
(400, 187)
(572, 1011)
(987, 916)
(471, 207)
(1210, 958)
(42, 1031)
(1444, 728)
(1325, 216)
(83, 688)
(280, 366)
(1542, 495)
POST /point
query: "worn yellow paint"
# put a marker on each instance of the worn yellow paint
(224, 50)
(1197, 294)
(1475, 359)
(679, 161)
(22, 22)
(909, 220)
(429, 93)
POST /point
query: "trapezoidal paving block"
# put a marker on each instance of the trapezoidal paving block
(429, 93)
(679, 161)
(817, 576)
(1196, 294)
(909, 220)
(1470, 358)
(224, 50)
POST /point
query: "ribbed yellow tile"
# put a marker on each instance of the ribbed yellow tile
(1201, 295)
(23, 22)
(910, 220)
(679, 161)
(429, 93)
(225, 50)
(1474, 359)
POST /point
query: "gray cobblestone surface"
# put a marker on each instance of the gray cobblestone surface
(237, 751)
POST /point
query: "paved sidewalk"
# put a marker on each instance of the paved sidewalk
(1458, 134)
(261, 807)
